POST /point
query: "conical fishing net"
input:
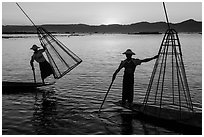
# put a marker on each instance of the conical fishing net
(168, 86)
(60, 57)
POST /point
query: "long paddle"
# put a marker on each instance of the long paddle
(105, 96)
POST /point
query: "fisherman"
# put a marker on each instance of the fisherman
(128, 78)
(45, 67)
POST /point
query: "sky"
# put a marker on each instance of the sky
(97, 13)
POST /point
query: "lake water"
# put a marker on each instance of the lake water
(70, 105)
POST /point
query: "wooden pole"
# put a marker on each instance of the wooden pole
(105, 96)
(34, 75)
(166, 15)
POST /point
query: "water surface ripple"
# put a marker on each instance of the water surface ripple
(70, 106)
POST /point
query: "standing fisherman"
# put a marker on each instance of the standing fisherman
(128, 78)
(45, 68)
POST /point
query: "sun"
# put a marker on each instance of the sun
(110, 21)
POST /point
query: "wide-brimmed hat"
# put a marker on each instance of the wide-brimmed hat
(129, 51)
(34, 47)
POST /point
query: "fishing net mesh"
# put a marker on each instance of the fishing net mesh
(60, 57)
(168, 86)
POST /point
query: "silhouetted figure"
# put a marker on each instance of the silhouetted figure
(128, 78)
(45, 68)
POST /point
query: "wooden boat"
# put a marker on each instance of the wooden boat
(188, 122)
(14, 86)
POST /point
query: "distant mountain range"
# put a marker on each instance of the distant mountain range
(188, 26)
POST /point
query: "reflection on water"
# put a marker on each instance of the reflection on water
(45, 111)
(126, 127)
(49, 115)
(70, 106)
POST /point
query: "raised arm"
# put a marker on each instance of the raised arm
(44, 48)
(149, 59)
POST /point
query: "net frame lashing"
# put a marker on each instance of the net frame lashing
(170, 40)
(43, 35)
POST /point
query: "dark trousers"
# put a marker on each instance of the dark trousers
(45, 69)
(128, 85)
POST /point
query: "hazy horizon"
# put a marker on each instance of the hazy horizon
(93, 25)
(98, 13)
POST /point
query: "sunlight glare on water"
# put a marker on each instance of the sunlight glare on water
(70, 105)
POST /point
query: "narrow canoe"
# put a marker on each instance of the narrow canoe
(190, 123)
(7, 85)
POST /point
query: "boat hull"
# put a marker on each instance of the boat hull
(8, 86)
(185, 122)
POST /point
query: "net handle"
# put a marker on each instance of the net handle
(166, 15)
(26, 15)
